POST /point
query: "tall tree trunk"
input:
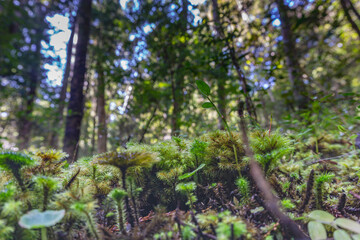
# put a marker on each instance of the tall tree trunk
(352, 7)
(292, 62)
(220, 32)
(177, 84)
(25, 121)
(147, 125)
(346, 4)
(54, 138)
(101, 114)
(75, 107)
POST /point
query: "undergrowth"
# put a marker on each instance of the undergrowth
(180, 189)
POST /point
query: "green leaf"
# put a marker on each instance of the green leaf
(348, 224)
(321, 216)
(207, 105)
(356, 236)
(341, 235)
(36, 219)
(342, 129)
(203, 87)
(187, 175)
(317, 231)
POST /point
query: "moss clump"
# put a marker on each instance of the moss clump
(269, 148)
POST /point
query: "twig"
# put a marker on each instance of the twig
(331, 158)
(355, 195)
(271, 203)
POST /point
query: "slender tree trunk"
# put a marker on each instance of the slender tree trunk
(352, 7)
(177, 84)
(292, 62)
(148, 125)
(75, 107)
(101, 114)
(25, 121)
(54, 138)
(346, 4)
(249, 104)
(175, 126)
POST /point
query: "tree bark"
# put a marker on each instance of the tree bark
(177, 79)
(345, 5)
(75, 107)
(292, 62)
(249, 104)
(101, 114)
(54, 138)
(148, 124)
(26, 121)
(352, 7)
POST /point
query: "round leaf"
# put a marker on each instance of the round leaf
(341, 235)
(348, 224)
(36, 219)
(321, 216)
(207, 105)
(203, 87)
(316, 231)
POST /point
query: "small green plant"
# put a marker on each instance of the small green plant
(269, 148)
(342, 228)
(118, 196)
(86, 209)
(205, 90)
(320, 180)
(124, 160)
(244, 188)
(41, 220)
(287, 204)
(188, 189)
(47, 185)
(13, 162)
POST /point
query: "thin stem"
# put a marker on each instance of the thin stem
(43, 234)
(92, 227)
(120, 216)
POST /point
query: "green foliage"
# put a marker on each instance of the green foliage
(220, 153)
(124, 160)
(287, 204)
(269, 148)
(14, 161)
(243, 187)
(117, 195)
(320, 218)
(5, 231)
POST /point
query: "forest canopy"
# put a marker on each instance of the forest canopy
(127, 69)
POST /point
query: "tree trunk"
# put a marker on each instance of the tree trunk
(220, 32)
(346, 5)
(75, 107)
(177, 77)
(101, 114)
(147, 125)
(25, 121)
(54, 139)
(352, 7)
(292, 62)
